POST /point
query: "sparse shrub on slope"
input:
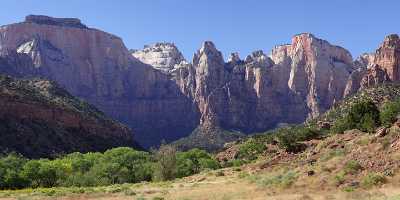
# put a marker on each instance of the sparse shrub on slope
(363, 115)
(372, 179)
(290, 138)
(389, 112)
(250, 149)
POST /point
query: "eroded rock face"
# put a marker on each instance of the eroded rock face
(318, 70)
(300, 80)
(168, 97)
(162, 56)
(382, 66)
(97, 67)
(387, 57)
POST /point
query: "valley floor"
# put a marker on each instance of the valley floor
(206, 186)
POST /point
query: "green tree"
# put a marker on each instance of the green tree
(10, 171)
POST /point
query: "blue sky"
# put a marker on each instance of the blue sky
(233, 25)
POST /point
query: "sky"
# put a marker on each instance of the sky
(234, 26)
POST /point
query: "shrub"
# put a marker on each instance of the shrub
(10, 172)
(235, 163)
(372, 179)
(363, 116)
(340, 178)
(389, 112)
(305, 133)
(340, 126)
(194, 161)
(250, 149)
(287, 140)
(352, 167)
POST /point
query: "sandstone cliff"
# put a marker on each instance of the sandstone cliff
(379, 67)
(97, 67)
(162, 96)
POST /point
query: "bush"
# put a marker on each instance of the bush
(389, 112)
(10, 172)
(250, 149)
(363, 116)
(288, 140)
(194, 161)
(372, 179)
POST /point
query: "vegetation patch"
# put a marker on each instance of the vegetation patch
(372, 179)
(284, 179)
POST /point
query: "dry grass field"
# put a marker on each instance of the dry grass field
(221, 185)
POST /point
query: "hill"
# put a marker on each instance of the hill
(40, 119)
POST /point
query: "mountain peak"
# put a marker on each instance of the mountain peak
(46, 20)
(391, 40)
(163, 56)
(208, 46)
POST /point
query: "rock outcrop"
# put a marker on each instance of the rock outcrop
(97, 67)
(381, 66)
(318, 70)
(39, 119)
(387, 57)
(299, 80)
(162, 56)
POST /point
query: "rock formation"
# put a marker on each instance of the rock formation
(381, 66)
(162, 56)
(318, 70)
(97, 67)
(162, 96)
(39, 119)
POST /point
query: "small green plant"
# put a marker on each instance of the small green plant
(352, 167)
(340, 178)
(372, 179)
(332, 153)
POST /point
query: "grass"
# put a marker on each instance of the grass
(331, 154)
(372, 179)
(283, 179)
(352, 167)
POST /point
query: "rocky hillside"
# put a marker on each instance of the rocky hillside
(40, 119)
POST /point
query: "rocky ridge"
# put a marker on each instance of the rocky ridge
(40, 119)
